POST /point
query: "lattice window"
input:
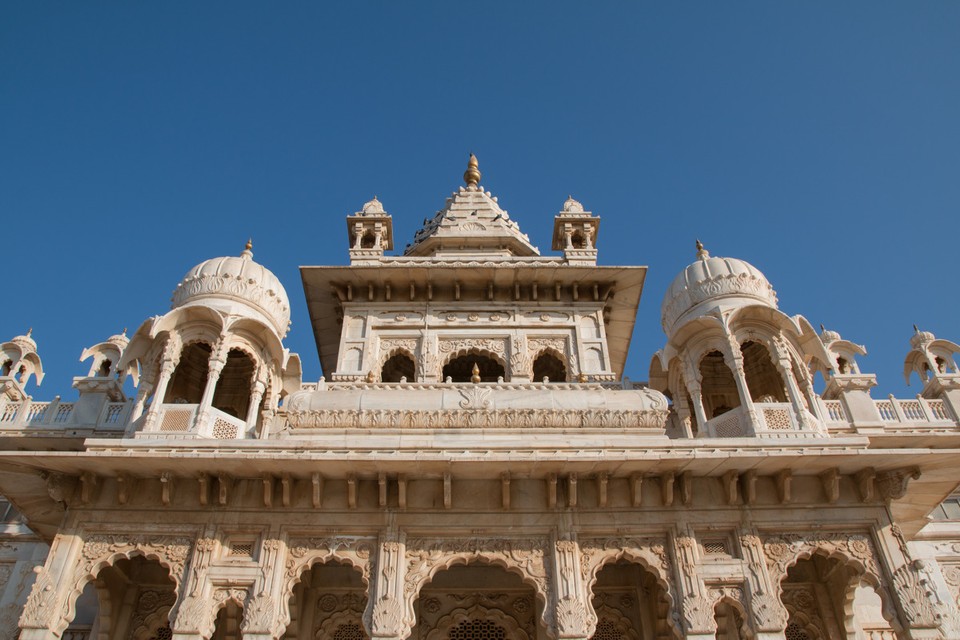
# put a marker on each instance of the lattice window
(796, 632)
(607, 630)
(176, 420)
(223, 430)
(349, 631)
(716, 547)
(777, 419)
(241, 549)
(728, 426)
(478, 630)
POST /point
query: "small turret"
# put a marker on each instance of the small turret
(575, 233)
(18, 362)
(370, 231)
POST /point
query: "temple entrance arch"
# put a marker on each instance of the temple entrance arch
(328, 602)
(129, 599)
(630, 604)
(476, 601)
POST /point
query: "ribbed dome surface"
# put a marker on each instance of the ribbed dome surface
(714, 278)
(237, 278)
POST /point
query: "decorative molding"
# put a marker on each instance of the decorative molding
(469, 416)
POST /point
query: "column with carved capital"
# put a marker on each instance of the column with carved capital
(168, 364)
(214, 367)
(574, 615)
(262, 618)
(696, 606)
(194, 616)
(693, 379)
(781, 359)
(390, 617)
(769, 614)
(256, 395)
(733, 358)
(43, 614)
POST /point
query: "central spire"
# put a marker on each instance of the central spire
(472, 175)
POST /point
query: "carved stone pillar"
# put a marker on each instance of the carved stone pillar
(214, 367)
(734, 360)
(195, 613)
(256, 395)
(146, 388)
(42, 617)
(694, 389)
(262, 619)
(911, 586)
(768, 613)
(390, 617)
(574, 614)
(696, 606)
(785, 368)
(168, 364)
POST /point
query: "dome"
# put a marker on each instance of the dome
(26, 343)
(372, 208)
(920, 338)
(713, 278)
(237, 278)
(120, 340)
(572, 206)
(827, 336)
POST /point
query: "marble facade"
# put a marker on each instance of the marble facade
(474, 464)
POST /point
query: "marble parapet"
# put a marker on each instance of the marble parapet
(501, 405)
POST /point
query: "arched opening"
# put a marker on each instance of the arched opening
(763, 380)
(131, 599)
(229, 618)
(630, 604)
(460, 369)
(367, 240)
(399, 365)
(718, 388)
(476, 602)
(232, 395)
(190, 377)
(827, 598)
(104, 370)
(328, 602)
(549, 365)
(6, 367)
(731, 624)
(578, 240)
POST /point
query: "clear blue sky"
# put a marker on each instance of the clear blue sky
(818, 141)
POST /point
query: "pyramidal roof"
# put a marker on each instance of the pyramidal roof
(471, 223)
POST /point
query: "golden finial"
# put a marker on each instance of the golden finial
(249, 244)
(475, 378)
(916, 329)
(701, 252)
(472, 175)
(247, 250)
(124, 332)
(582, 377)
(371, 377)
(29, 331)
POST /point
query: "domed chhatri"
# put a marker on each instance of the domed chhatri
(735, 282)
(237, 278)
(572, 206)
